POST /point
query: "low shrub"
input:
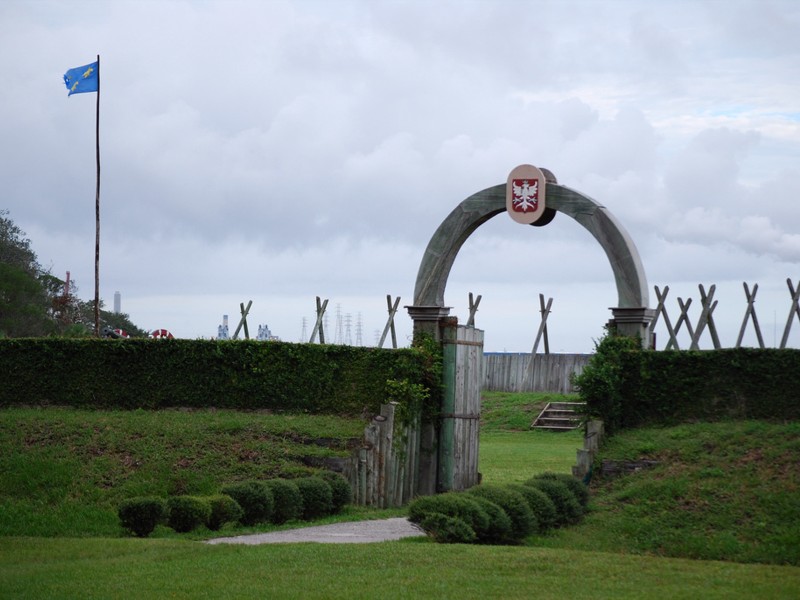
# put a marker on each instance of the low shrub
(317, 497)
(340, 488)
(288, 500)
(141, 515)
(568, 508)
(224, 509)
(255, 498)
(577, 487)
(523, 521)
(499, 528)
(543, 508)
(451, 504)
(448, 530)
(187, 513)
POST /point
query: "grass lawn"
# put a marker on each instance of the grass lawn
(507, 457)
(128, 568)
(725, 490)
(510, 451)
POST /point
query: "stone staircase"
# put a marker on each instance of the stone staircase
(560, 416)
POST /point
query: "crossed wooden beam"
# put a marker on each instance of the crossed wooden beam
(706, 319)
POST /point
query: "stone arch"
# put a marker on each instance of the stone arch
(632, 314)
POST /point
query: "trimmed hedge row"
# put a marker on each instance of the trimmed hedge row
(628, 387)
(139, 373)
(501, 514)
(249, 503)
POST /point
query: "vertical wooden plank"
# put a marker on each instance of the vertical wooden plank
(446, 429)
(371, 439)
(362, 476)
(389, 462)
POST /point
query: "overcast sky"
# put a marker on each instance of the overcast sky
(279, 151)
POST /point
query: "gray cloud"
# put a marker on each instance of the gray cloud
(283, 150)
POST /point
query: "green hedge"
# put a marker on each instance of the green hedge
(199, 373)
(632, 388)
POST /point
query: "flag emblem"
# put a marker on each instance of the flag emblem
(82, 79)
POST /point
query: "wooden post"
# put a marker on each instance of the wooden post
(750, 312)
(243, 320)
(473, 308)
(390, 321)
(321, 306)
(706, 318)
(545, 311)
(795, 309)
(684, 318)
(662, 309)
(529, 371)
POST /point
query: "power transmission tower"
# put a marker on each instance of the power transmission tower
(348, 321)
(338, 338)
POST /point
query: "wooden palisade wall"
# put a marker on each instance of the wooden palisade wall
(513, 372)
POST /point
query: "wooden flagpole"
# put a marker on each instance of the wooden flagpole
(97, 212)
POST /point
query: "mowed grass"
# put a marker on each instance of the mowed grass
(129, 568)
(612, 554)
(512, 452)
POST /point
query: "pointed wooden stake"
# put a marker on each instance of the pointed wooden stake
(794, 310)
(243, 321)
(321, 306)
(390, 321)
(750, 312)
(473, 308)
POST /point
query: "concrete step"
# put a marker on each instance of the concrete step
(559, 416)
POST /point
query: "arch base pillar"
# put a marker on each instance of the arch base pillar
(428, 319)
(633, 322)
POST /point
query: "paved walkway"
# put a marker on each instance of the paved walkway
(357, 532)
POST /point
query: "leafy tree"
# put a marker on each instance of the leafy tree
(23, 299)
(15, 249)
(34, 302)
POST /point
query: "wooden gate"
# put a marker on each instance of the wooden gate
(461, 407)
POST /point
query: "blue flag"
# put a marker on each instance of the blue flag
(82, 79)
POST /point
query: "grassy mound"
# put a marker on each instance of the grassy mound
(63, 472)
(720, 491)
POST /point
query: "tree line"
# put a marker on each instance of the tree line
(36, 303)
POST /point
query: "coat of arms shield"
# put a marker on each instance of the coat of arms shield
(525, 194)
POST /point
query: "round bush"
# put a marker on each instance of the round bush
(288, 500)
(255, 498)
(578, 488)
(523, 522)
(448, 530)
(568, 509)
(499, 528)
(141, 515)
(317, 497)
(224, 509)
(543, 508)
(451, 504)
(187, 513)
(340, 488)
